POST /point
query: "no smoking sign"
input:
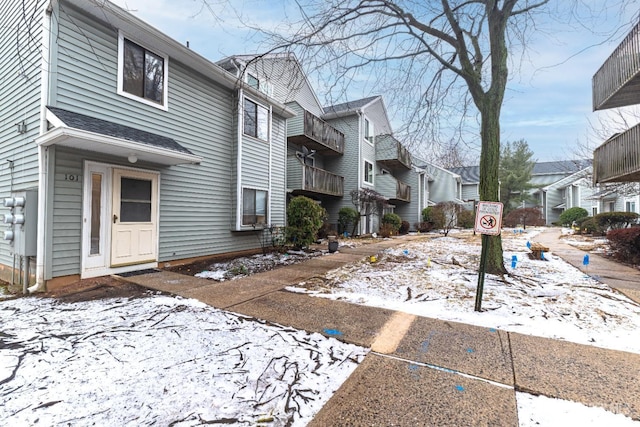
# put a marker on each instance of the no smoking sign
(488, 218)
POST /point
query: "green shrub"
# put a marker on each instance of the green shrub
(588, 225)
(393, 220)
(426, 214)
(615, 220)
(466, 218)
(404, 227)
(625, 244)
(572, 214)
(305, 218)
(347, 219)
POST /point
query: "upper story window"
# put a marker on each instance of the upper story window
(253, 81)
(368, 172)
(142, 74)
(368, 130)
(256, 120)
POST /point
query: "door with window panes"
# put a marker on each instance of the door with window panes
(134, 217)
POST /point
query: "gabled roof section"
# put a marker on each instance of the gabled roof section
(471, 174)
(568, 180)
(92, 134)
(350, 107)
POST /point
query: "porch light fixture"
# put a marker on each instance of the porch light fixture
(132, 158)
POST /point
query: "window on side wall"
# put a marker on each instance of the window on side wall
(256, 120)
(368, 172)
(368, 131)
(142, 74)
(253, 81)
(254, 206)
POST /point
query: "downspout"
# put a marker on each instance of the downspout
(239, 160)
(43, 181)
(360, 161)
(270, 136)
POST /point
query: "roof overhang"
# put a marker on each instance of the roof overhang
(98, 143)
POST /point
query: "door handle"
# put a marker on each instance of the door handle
(115, 218)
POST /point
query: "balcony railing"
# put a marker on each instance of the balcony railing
(618, 159)
(617, 82)
(309, 180)
(391, 153)
(313, 132)
(393, 189)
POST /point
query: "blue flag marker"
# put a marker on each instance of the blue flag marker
(514, 261)
(585, 260)
(528, 244)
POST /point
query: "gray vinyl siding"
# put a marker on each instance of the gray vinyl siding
(347, 165)
(295, 125)
(288, 81)
(20, 68)
(67, 213)
(411, 211)
(196, 201)
(444, 186)
(470, 192)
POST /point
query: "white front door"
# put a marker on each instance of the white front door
(134, 219)
(120, 219)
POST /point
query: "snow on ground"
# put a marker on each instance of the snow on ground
(160, 360)
(163, 360)
(438, 278)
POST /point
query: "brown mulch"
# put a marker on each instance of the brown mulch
(97, 288)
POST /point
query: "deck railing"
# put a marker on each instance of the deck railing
(617, 71)
(618, 159)
(322, 132)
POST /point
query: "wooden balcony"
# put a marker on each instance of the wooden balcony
(310, 181)
(316, 134)
(391, 153)
(618, 159)
(617, 82)
(393, 189)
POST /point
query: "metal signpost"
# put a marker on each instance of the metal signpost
(488, 223)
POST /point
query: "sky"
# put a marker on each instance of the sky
(548, 100)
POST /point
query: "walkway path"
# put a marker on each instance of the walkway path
(422, 371)
(620, 277)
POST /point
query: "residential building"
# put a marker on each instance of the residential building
(617, 84)
(131, 150)
(336, 150)
(557, 186)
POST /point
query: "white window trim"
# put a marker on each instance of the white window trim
(372, 136)
(373, 172)
(165, 105)
(259, 104)
(246, 80)
(241, 211)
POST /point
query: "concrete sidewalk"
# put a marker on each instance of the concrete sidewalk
(620, 277)
(422, 371)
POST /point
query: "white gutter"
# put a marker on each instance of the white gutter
(43, 178)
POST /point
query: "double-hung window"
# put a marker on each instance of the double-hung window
(368, 131)
(142, 74)
(368, 172)
(256, 120)
(254, 206)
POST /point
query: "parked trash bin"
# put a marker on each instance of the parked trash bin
(333, 244)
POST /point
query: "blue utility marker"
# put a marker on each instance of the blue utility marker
(333, 332)
(514, 261)
(585, 260)
(528, 244)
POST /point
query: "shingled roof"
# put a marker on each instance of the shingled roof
(471, 174)
(104, 127)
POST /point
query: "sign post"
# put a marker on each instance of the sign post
(488, 223)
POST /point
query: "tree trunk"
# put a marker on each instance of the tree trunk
(489, 184)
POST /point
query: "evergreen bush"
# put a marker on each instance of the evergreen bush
(304, 219)
(572, 214)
